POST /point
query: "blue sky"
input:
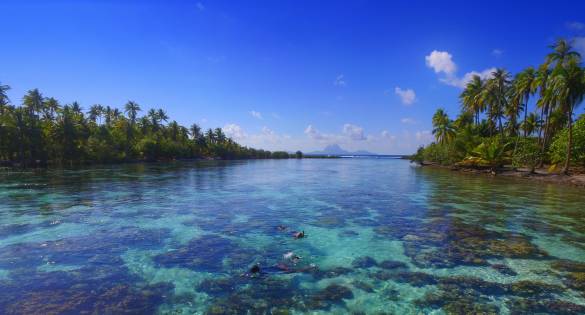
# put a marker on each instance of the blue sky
(278, 74)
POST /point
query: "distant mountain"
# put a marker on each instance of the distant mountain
(335, 149)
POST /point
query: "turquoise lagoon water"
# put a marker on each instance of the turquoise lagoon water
(382, 237)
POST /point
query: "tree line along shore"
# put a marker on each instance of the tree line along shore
(521, 121)
(42, 132)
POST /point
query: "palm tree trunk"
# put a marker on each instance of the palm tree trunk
(525, 116)
(570, 144)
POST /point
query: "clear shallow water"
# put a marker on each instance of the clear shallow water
(382, 237)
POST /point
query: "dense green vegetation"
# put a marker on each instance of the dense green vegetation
(496, 128)
(41, 131)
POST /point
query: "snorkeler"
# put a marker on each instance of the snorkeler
(298, 235)
(255, 271)
(294, 258)
(281, 228)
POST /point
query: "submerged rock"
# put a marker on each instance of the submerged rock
(391, 264)
(540, 306)
(416, 279)
(503, 269)
(205, 253)
(364, 262)
(532, 289)
(364, 286)
(118, 299)
(332, 294)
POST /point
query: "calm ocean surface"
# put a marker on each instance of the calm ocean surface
(382, 237)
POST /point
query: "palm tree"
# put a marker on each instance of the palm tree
(174, 130)
(522, 88)
(50, 107)
(4, 100)
(530, 125)
(76, 108)
(33, 102)
(153, 115)
(442, 127)
(95, 112)
(162, 115)
(132, 108)
(210, 136)
(568, 87)
(563, 54)
(219, 135)
(195, 131)
(495, 94)
(471, 97)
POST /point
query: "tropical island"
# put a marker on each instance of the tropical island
(43, 132)
(496, 126)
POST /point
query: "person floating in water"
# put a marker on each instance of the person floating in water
(281, 228)
(256, 271)
(298, 235)
(294, 258)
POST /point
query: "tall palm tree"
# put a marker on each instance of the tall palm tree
(522, 88)
(210, 136)
(442, 127)
(153, 115)
(530, 125)
(33, 102)
(132, 108)
(195, 131)
(568, 86)
(219, 135)
(76, 108)
(4, 100)
(471, 97)
(562, 54)
(162, 115)
(95, 112)
(496, 93)
(50, 107)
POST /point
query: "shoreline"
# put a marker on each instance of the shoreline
(540, 175)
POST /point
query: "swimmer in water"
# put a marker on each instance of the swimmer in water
(298, 235)
(294, 258)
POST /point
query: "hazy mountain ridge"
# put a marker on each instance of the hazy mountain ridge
(335, 149)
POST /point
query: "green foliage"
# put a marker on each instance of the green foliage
(558, 147)
(41, 131)
(491, 153)
(527, 153)
(496, 104)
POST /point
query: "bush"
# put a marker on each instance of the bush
(527, 153)
(558, 147)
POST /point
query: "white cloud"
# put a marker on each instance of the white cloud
(340, 81)
(579, 45)
(407, 96)
(200, 6)
(497, 52)
(256, 114)
(234, 131)
(354, 132)
(577, 26)
(313, 133)
(408, 121)
(462, 82)
(441, 61)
